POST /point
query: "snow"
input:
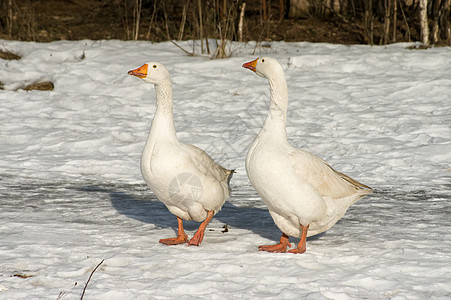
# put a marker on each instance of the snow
(72, 194)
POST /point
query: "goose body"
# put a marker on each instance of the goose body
(185, 178)
(304, 195)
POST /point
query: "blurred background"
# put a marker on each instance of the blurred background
(375, 22)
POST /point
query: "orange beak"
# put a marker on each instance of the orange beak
(251, 65)
(140, 72)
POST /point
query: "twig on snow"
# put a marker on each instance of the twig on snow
(65, 293)
(86, 285)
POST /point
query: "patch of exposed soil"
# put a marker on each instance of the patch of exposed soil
(40, 86)
(8, 55)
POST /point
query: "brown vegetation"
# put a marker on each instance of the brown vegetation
(333, 21)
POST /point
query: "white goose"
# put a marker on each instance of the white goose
(304, 195)
(183, 177)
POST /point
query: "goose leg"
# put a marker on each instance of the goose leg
(199, 235)
(301, 246)
(277, 248)
(181, 236)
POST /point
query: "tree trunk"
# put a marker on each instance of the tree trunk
(10, 18)
(182, 25)
(424, 27)
(436, 6)
(281, 9)
(387, 21)
(395, 12)
(435, 32)
(201, 26)
(369, 21)
(299, 9)
(443, 30)
(137, 16)
(265, 17)
(240, 23)
(446, 25)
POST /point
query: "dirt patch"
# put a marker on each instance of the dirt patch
(40, 86)
(8, 55)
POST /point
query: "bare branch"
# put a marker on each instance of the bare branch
(86, 285)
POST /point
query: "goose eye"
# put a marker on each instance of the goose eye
(154, 66)
(263, 60)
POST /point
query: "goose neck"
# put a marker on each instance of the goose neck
(279, 93)
(163, 126)
(163, 93)
(276, 119)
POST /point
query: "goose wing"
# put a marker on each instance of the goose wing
(206, 165)
(329, 182)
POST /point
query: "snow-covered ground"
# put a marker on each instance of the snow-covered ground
(71, 193)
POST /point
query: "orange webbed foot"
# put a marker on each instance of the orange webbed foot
(277, 248)
(281, 247)
(196, 240)
(181, 236)
(175, 241)
(297, 250)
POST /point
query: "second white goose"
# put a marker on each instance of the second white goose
(304, 195)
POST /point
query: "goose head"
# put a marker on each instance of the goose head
(152, 72)
(265, 67)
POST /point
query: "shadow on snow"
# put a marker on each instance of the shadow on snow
(143, 205)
